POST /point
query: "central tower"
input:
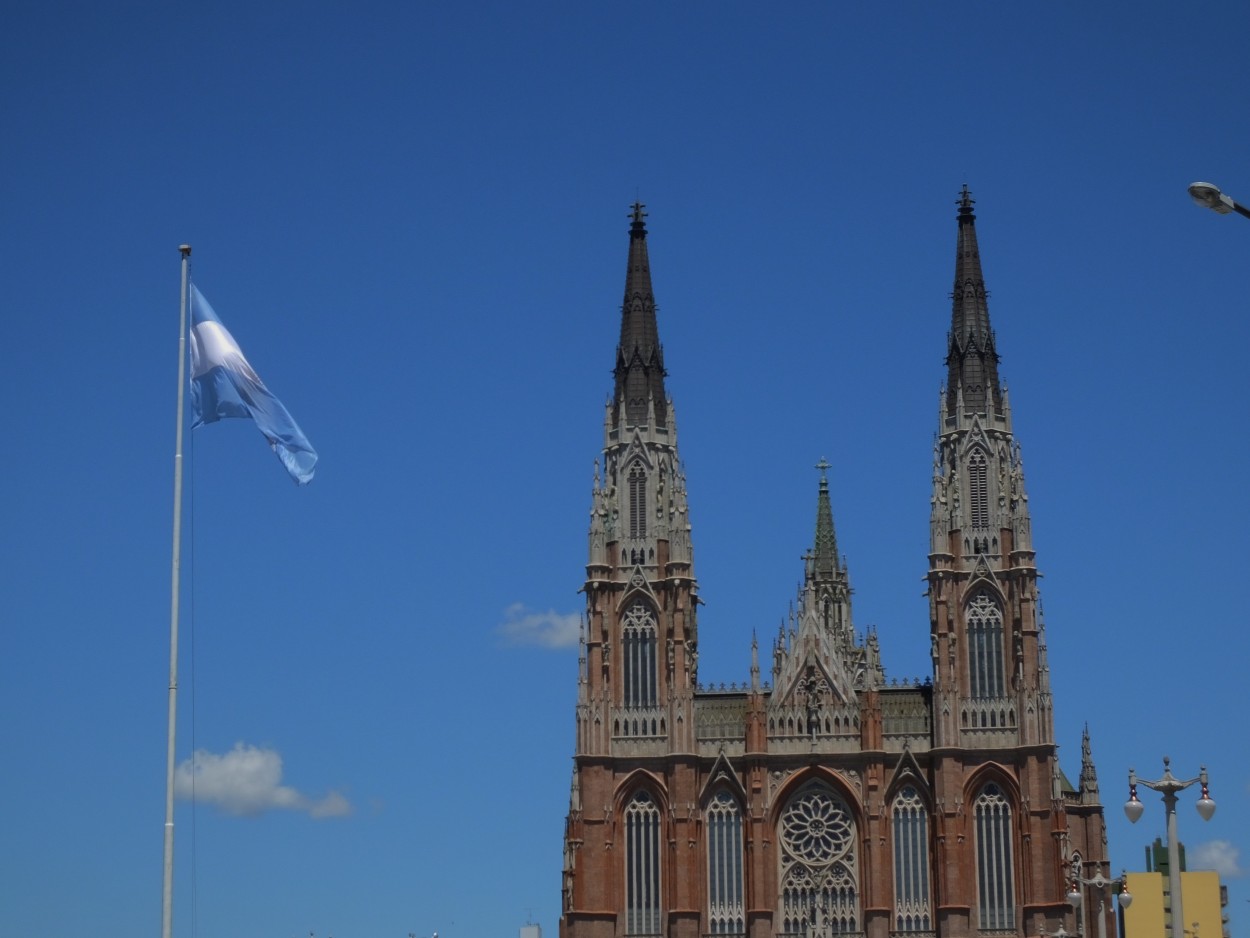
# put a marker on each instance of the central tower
(825, 800)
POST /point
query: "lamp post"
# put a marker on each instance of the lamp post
(1209, 196)
(1099, 882)
(1169, 786)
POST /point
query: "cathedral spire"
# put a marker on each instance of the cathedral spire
(639, 358)
(971, 358)
(825, 555)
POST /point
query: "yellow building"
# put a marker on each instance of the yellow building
(1149, 915)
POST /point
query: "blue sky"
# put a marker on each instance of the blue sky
(413, 219)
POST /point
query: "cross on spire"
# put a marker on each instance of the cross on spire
(966, 201)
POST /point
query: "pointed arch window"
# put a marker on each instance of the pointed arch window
(978, 491)
(724, 866)
(996, 904)
(637, 480)
(642, 866)
(985, 647)
(910, 826)
(638, 642)
(819, 873)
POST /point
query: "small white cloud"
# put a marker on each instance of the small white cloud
(332, 805)
(549, 629)
(247, 781)
(1218, 855)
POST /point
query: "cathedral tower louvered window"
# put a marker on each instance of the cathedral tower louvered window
(819, 883)
(910, 827)
(996, 904)
(642, 866)
(985, 647)
(979, 491)
(637, 501)
(724, 866)
(638, 642)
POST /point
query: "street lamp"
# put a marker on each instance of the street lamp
(1168, 786)
(1100, 883)
(1209, 196)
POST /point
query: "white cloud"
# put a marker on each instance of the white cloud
(332, 805)
(1218, 855)
(549, 629)
(247, 781)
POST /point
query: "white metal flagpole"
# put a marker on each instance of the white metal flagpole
(167, 898)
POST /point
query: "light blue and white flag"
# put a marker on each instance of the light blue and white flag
(223, 384)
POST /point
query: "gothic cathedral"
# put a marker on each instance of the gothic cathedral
(823, 801)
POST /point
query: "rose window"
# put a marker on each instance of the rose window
(819, 892)
(817, 827)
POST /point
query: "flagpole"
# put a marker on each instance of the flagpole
(167, 896)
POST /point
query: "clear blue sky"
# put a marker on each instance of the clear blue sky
(413, 219)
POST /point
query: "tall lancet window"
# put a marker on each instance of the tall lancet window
(642, 866)
(638, 641)
(996, 903)
(818, 876)
(910, 826)
(985, 646)
(724, 866)
(637, 500)
(978, 491)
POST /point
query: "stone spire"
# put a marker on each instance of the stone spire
(1089, 777)
(819, 658)
(825, 554)
(639, 358)
(971, 358)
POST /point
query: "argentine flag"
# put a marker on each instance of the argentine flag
(223, 384)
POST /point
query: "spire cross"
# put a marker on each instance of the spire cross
(823, 466)
(966, 201)
(638, 213)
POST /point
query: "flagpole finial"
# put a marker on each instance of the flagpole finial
(185, 249)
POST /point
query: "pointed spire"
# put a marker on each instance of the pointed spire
(971, 358)
(1089, 776)
(639, 358)
(825, 553)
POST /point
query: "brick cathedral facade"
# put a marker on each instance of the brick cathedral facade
(820, 800)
